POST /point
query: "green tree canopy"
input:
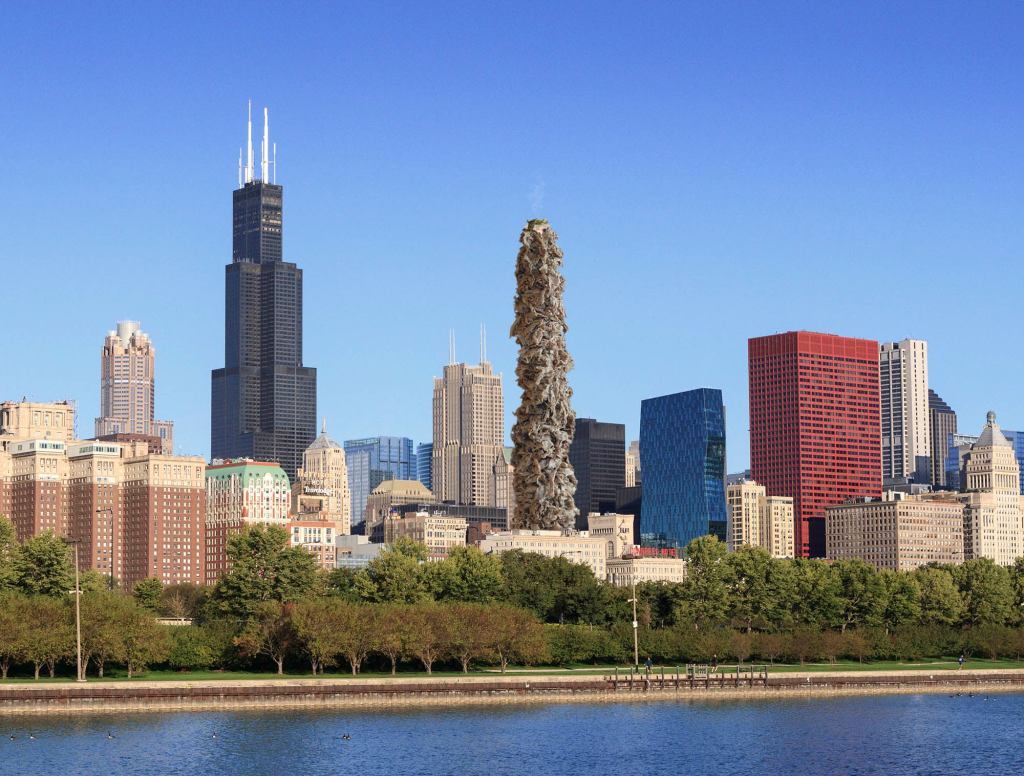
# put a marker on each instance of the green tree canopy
(394, 576)
(147, 593)
(939, 597)
(986, 591)
(43, 566)
(709, 579)
(263, 569)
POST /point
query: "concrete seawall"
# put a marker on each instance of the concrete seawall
(99, 696)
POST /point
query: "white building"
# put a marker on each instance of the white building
(616, 529)
(994, 507)
(576, 547)
(906, 418)
(623, 572)
(759, 520)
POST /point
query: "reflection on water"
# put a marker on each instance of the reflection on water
(916, 734)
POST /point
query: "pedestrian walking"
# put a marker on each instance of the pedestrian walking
(960, 661)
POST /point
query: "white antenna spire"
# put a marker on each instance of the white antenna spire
(239, 168)
(323, 429)
(451, 346)
(248, 158)
(275, 162)
(265, 149)
(483, 343)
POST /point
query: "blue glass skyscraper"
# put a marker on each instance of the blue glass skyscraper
(424, 464)
(373, 460)
(682, 446)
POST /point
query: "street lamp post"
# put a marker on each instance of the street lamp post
(78, 616)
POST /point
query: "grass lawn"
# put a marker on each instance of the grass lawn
(945, 664)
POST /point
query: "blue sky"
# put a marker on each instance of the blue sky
(715, 171)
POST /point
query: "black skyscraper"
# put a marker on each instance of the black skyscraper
(264, 399)
(598, 456)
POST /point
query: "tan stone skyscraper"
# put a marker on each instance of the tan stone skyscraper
(469, 423)
(321, 490)
(127, 386)
(993, 515)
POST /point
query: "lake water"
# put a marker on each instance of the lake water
(909, 734)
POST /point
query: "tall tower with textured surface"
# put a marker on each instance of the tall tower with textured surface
(543, 482)
(263, 399)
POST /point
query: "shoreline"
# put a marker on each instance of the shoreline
(427, 692)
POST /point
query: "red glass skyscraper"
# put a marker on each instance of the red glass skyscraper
(815, 430)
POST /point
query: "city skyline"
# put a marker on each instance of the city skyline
(859, 184)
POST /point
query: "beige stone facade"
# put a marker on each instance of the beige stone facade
(440, 532)
(128, 386)
(321, 490)
(318, 538)
(21, 420)
(624, 572)
(616, 529)
(899, 535)
(504, 494)
(759, 520)
(632, 464)
(578, 548)
(994, 508)
(469, 426)
(391, 493)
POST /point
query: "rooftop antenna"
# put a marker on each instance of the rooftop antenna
(275, 163)
(451, 347)
(239, 167)
(323, 429)
(483, 343)
(265, 149)
(248, 158)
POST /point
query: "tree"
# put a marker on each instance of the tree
(515, 635)
(468, 632)
(391, 632)
(147, 593)
(269, 632)
(465, 575)
(43, 566)
(182, 600)
(861, 593)
(8, 550)
(939, 597)
(902, 598)
(357, 631)
(817, 601)
(1017, 582)
(709, 577)
(12, 630)
(318, 624)
(543, 479)
(190, 649)
(426, 636)
(762, 590)
(341, 582)
(145, 641)
(394, 576)
(48, 635)
(264, 569)
(104, 617)
(530, 582)
(986, 591)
